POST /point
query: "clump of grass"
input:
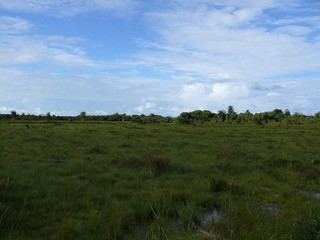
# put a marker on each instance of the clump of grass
(180, 197)
(307, 228)
(95, 150)
(57, 158)
(187, 215)
(162, 205)
(126, 145)
(271, 146)
(71, 229)
(307, 170)
(159, 165)
(280, 160)
(315, 161)
(156, 164)
(209, 234)
(131, 162)
(218, 185)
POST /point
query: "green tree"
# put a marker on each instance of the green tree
(13, 114)
(258, 118)
(83, 116)
(136, 119)
(202, 116)
(185, 118)
(48, 116)
(276, 115)
(287, 113)
(231, 114)
(221, 116)
(248, 116)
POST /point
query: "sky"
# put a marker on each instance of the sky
(159, 56)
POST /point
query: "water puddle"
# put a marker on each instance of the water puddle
(139, 230)
(310, 194)
(211, 217)
(176, 225)
(315, 195)
(203, 219)
(270, 207)
(266, 189)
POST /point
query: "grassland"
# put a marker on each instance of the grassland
(164, 181)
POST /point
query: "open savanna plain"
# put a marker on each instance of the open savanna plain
(159, 181)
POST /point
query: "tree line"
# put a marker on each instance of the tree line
(197, 116)
(230, 116)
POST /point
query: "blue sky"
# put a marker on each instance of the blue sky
(163, 57)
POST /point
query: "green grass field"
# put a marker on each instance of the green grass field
(165, 181)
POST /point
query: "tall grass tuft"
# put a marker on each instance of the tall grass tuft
(307, 228)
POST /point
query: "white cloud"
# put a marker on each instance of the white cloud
(205, 96)
(100, 112)
(208, 41)
(7, 110)
(13, 25)
(194, 95)
(228, 91)
(258, 87)
(67, 7)
(310, 20)
(173, 110)
(20, 49)
(146, 107)
(231, 3)
(294, 30)
(273, 94)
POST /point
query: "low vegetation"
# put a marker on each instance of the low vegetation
(124, 180)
